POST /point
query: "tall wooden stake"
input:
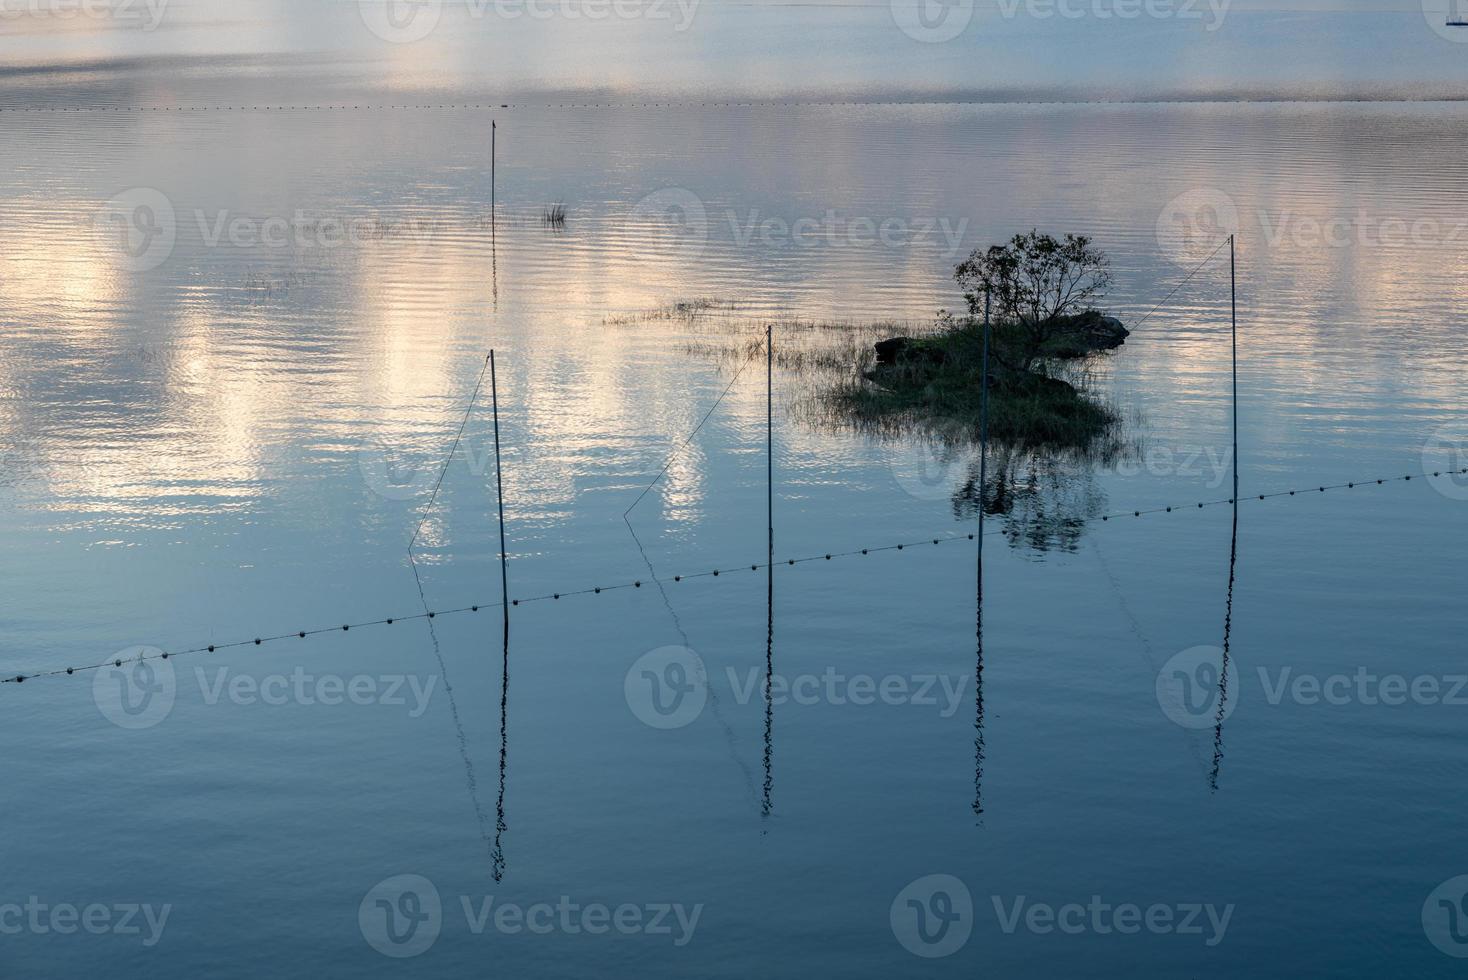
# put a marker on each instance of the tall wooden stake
(494, 264)
(984, 419)
(499, 484)
(1233, 305)
(500, 826)
(1233, 544)
(983, 450)
(767, 804)
(979, 573)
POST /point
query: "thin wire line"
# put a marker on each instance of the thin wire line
(471, 778)
(713, 573)
(684, 444)
(730, 737)
(1180, 285)
(704, 104)
(433, 497)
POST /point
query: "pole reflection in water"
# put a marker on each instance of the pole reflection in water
(979, 574)
(499, 824)
(1233, 544)
(1228, 617)
(498, 852)
(470, 778)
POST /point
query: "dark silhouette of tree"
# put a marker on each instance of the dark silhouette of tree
(1034, 282)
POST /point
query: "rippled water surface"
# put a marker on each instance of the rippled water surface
(224, 419)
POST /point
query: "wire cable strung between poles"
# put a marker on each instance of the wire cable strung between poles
(470, 776)
(701, 104)
(713, 699)
(1186, 279)
(722, 570)
(686, 440)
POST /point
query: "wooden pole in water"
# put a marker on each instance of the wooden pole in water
(983, 452)
(494, 258)
(1233, 304)
(1233, 544)
(979, 572)
(983, 449)
(983, 420)
(498, 854)
(767, 804)
(500, 494)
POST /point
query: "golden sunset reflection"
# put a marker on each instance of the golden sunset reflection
(236, 367)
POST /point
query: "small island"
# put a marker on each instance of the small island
(1037, 293)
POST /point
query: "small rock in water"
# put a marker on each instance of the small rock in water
(1107, 333)
(890, 351)
(1092, 332)
(905, 349)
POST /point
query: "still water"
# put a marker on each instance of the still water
(226, 420)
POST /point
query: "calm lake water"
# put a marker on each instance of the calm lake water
(223, 418)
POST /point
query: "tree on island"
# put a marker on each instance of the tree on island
(1037, 285)
(1041, 289)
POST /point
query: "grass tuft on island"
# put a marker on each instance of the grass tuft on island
(935, 379)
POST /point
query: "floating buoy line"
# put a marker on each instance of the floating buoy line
(721, 571)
